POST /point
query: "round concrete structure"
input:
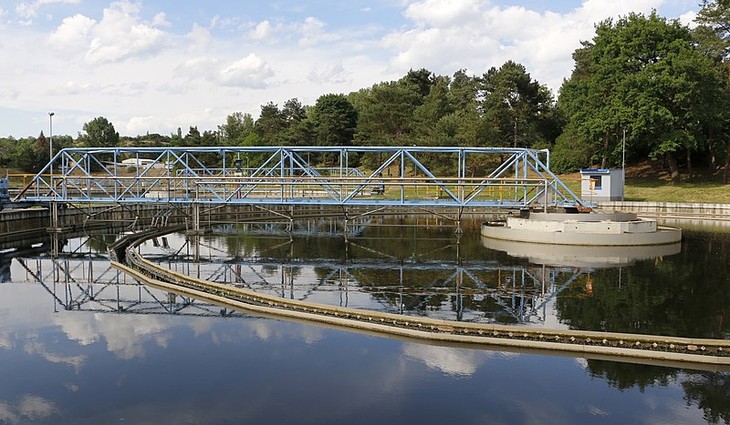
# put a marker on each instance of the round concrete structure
(592, 229)
(595, 257)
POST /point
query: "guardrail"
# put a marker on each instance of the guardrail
(397, 176)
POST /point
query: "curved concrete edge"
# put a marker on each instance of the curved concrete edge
(663, 235)
(596, 215)
(441, 324)
(625, 346)
(379, 326)
(581, 255)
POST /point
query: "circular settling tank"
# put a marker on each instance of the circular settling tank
(585, 229)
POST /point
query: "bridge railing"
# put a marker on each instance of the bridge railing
(415, 176)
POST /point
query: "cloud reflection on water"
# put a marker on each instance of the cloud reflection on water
(28, 408)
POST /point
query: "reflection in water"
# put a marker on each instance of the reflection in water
(28, 409)
(581, 256)
(100, 347)
(475, 290)
(452, 361)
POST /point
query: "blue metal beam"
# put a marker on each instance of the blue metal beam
(409, 176)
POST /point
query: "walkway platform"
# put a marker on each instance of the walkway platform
(420, 177)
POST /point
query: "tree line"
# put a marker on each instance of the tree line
(643, 87)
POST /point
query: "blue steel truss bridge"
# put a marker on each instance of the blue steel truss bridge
(427, 177)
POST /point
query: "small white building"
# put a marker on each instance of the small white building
(139, 163)
(602, 184)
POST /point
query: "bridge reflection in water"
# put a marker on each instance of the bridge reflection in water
(453, 293)
(81, 278)
(460, 289)
(85, 281)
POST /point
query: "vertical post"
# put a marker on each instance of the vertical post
(623, 165)
(55, 230)
(196, 252)
(345, 225)
(460, 174)
(50, 144)
(196, 218)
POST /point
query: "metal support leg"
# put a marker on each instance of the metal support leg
(196, 218)
(55, 230)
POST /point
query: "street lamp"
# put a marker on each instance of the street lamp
(623, 165)
(50, 145)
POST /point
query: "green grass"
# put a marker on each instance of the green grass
(655, 189)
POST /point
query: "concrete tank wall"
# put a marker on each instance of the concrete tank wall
(669, 210)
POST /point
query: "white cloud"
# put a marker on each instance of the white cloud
(476, 35)
(688, 19)
(335, 73)
(27, 11)
(140, 125)
(262, 31)
(160, 20)
(120, 34)
(249, 72)
(8, 93)
(199, 38)
(72, 33)
(312, 32)
(440, 13)
(140, 67)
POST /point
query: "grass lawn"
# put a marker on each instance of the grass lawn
(642, 189)
(647, 182)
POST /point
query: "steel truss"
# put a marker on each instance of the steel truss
(92, 285)
(395, 176)
(448, 290)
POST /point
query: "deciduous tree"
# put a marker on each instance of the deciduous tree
(98, 132)
(642, 74)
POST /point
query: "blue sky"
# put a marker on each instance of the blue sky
(156, 65)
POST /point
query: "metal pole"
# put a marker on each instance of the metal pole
(50, 145)
(623, 165)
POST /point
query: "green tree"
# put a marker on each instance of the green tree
(335, 120)
(713, 30)
(419, 81)
(31, 154)
(517, 107)
(385, 113)
(436, 105)
(298, 128)
(270, 124)
(463, 89)
(713, 38)
(98, 132)
(237, 129)
(644, 75)
(193, 138)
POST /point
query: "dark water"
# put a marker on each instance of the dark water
(81, 344)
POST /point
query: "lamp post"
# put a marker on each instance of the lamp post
(623, 165)
(50, 145)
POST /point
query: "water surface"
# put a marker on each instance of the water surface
(82, 344)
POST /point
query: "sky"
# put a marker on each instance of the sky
(153, 66)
